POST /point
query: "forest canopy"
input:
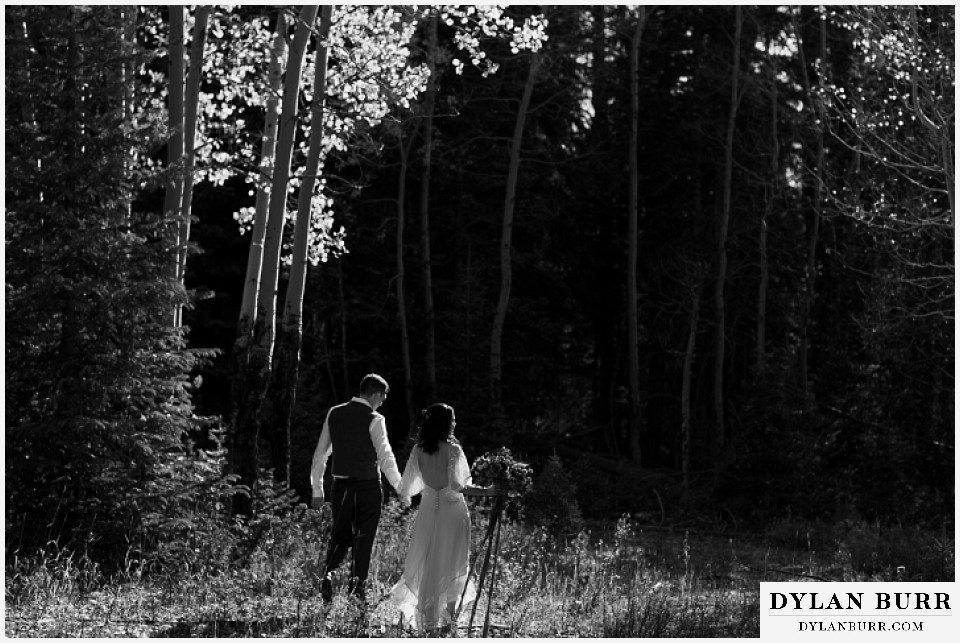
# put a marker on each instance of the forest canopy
(700, 258)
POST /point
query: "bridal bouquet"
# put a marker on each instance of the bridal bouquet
(502, 470)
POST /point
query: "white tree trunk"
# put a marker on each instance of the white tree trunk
(251, 284)
(257, 371)
(290, 338)
(198, 40)
(173, 195)
(267, 298)
(190, 117)
(721, 269)
(506, 241)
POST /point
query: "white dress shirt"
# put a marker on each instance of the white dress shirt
(378, 435)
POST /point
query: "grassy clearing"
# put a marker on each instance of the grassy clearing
(619, 580)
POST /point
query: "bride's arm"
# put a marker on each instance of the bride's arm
(411, 483)
(461, 480)
(471, 490)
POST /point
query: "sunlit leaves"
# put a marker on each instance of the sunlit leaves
(902, 74)
(370, 73)
(893, 109)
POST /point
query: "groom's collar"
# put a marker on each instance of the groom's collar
(362, 401)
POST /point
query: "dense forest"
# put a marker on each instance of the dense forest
(692, 263)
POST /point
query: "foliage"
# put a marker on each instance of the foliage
(641, 582)
(856, 549)
(552, 503)
(98, 389)
(826, 464)
(371, 72)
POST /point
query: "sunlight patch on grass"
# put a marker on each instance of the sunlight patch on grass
(636, 583)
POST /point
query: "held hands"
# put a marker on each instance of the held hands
(488, 492)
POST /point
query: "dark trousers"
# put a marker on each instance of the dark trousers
(356, 515)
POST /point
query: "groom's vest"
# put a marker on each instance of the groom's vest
(353, 453)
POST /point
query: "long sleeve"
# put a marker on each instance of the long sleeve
(412, 482)
(459, 470)
(320, 455)
(385, 458)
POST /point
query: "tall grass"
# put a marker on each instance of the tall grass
(617, 580)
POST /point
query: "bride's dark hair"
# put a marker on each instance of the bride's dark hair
(436, 426)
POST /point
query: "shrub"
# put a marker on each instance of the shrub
(895, 552)
(552, 504)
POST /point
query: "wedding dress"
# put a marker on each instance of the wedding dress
(436, 569)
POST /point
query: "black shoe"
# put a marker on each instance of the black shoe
(326, 589)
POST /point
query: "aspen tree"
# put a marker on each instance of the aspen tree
(506, 240)
(290, 337)
(258, 368)
(173, 195)
(251, 286)
(721, 266)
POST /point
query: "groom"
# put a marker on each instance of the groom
(357, 436)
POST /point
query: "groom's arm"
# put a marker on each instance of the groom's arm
(319, 464)
(385, 458)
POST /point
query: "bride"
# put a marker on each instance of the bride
(435, 574)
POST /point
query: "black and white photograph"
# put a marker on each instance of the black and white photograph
(479, 321)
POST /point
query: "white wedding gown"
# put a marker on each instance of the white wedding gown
(437, 564)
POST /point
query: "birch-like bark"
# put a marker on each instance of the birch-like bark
(243, 342)
(258, 369)
(173, 195)
(198, 41)
(251, 284)
(506, 242)
(290, 338)
(721, 269)
(267, 298)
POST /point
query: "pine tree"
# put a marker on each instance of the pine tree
(98, 385)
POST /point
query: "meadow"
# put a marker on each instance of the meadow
(607, 580)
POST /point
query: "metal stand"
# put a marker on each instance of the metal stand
(492, 542)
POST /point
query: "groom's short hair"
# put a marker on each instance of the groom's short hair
(373, 383)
